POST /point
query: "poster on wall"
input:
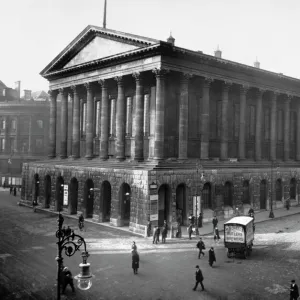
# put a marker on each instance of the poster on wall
(66, 194)
(196, 205)
(153, 207)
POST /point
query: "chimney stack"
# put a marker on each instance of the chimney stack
(218, 53)
(171, 40)
(257, 64)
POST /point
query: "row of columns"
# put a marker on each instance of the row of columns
(141, 120)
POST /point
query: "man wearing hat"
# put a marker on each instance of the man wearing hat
(294, 292)
(67, 279)
(199, 278)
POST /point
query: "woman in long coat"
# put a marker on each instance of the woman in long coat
(211, 256)
(135, 261)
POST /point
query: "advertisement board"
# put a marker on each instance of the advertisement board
(66, 193)
(196, 205)
(154, 207)
(234, 234)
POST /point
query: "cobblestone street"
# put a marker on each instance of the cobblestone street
(28, 267)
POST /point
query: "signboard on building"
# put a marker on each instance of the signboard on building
(234, 234)
(66, 194)
(196, 205)
(154, 207)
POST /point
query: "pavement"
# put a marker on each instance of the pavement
(205, 230)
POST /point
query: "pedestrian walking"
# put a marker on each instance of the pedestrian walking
(68, 231)
(81, 222)
(199, 278)
(15, 191)
(200, 218)
(164, 234)
(201, 246)
(149, 229)
(155, 234)
(216, 234)
(190, 231)
(211, 256)
(178, 230)
(133, 246)
(192, 219)
(11, 190)
(215, 222)
(67, 279)
(294, 291)
(135, 261)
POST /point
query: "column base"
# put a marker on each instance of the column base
(120, 158)
(51, 156)
(63, 156)
(75, 157)
(89, 157)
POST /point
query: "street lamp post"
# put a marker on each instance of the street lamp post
(71, 243)
(198, 166)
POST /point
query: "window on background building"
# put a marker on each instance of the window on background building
(40, 124)
(39, 144)
(12, 145)
(3, 124)
(2, 145)
(279, 125)
(13, 125)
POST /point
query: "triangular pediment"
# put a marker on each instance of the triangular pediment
(93, 44)
(98, 48)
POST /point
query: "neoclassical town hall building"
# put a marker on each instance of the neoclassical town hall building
(154, 125)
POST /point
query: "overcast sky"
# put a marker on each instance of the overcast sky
(33, 32)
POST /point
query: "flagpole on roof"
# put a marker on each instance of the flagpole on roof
(104, 15)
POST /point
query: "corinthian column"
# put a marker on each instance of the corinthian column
(273, 140)
(76, 124)
(286, 151)
(258, 125)
(104, 121)
(64, 124)
(205, 119)
(159, 114)
(52, 125)
(224, 121)
(298, 133)
(89, 122)
(120, 120)
(183, 116)
(139, 114)
(243, 99)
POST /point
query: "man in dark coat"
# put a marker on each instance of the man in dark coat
(294, 291)
(199, 278)
(15, 191)
(211, 256)
(200, 246)
(216, 234)
(200, 220)
(149, 229)
(135, 261)
(190, 231)
(67, 279)
(215, 223)
(164, 233)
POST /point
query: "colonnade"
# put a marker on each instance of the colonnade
(124, 122)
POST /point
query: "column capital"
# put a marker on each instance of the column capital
(137, 76)
(119, 80)
(226, 84)
(88, 86)
(244, 88)
(103, 83)
(62, 91)
(53, 93)
(160, 72)
(185, 76)
(74, 89)
(208, 81)
(260, 92)
(288, 98)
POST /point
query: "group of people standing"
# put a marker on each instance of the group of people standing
(164, 233)
(13, 191)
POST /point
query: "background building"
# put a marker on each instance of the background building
(152, 126)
